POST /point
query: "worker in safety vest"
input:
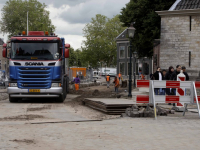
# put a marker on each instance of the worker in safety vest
(120, 75)
(77, 82)
(108, 80)
(116, 81)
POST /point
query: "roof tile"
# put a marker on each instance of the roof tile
(188, 4)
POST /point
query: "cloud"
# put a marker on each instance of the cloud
(63, 26)
(59, 3)
(75, 41)
(56, 3)
(83, 12)
(70, 16)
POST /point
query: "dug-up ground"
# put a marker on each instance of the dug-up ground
(42, 124)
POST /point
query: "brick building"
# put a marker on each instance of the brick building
(180, 36)
(156, 54)
(141, 65)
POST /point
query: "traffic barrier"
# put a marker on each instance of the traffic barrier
(153, 99)
(180, 91)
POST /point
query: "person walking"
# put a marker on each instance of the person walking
(186, 77)
(77, 83)
(120, 75)
(163, 90)
(174, 77)
(185, 73)
(151, 76)
(116, 81)
(167, 77)
(158, 76)
(108, 80)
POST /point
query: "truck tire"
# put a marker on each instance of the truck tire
(13, 99)
(61, 99)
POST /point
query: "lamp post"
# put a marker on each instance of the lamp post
(135, 56)
(131, 31)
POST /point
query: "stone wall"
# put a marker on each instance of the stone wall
(177, 41)
(156, 57)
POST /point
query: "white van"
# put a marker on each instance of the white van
(111, 71)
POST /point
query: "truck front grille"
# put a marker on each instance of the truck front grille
(34, 77)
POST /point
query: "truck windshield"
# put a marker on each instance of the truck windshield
(27, 51)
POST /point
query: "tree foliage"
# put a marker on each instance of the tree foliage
(76, 58)
(14, 17)
(100, 44)
(147, 22)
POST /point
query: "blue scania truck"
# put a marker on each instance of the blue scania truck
(37, 66)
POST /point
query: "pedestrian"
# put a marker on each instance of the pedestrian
(174, 77)
(167, 77)
(186, 77)
(151, 76)
(164, 78)
(77, 83)
(158, 76)
(119, 76)
(185, 73)
(116, 81)
(108, 80)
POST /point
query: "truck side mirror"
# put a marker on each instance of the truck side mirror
(67, 45)
(4, 52)
(4, 45)
(66, 53)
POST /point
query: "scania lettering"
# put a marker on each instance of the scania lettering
(38, 65)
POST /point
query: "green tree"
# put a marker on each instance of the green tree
(14, 17)
(72, 57)
(147, 22)
(100, 45)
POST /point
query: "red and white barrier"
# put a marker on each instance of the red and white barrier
(180, 98)
(180, 91)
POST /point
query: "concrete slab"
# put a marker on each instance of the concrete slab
(113, 101)
(36, 112)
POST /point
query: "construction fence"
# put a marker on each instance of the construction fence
(84, 74)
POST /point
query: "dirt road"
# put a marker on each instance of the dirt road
(45, 125)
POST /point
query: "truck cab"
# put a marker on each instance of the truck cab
(37, 66)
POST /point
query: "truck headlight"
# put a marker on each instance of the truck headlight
(56, 85)
(13, 84)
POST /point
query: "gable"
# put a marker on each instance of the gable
(122, 36)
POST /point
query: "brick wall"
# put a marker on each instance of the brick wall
(156, 57)
(177, 41)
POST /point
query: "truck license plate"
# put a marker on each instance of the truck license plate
(34, 90)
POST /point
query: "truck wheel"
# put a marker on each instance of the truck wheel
(61, 98)
(13, 99)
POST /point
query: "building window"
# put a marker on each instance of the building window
(121, 51)
(128, 67)
(122, 68)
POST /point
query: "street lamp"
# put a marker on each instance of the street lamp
(130, 31)
(135, 56)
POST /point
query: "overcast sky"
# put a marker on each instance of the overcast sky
(70, 16)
